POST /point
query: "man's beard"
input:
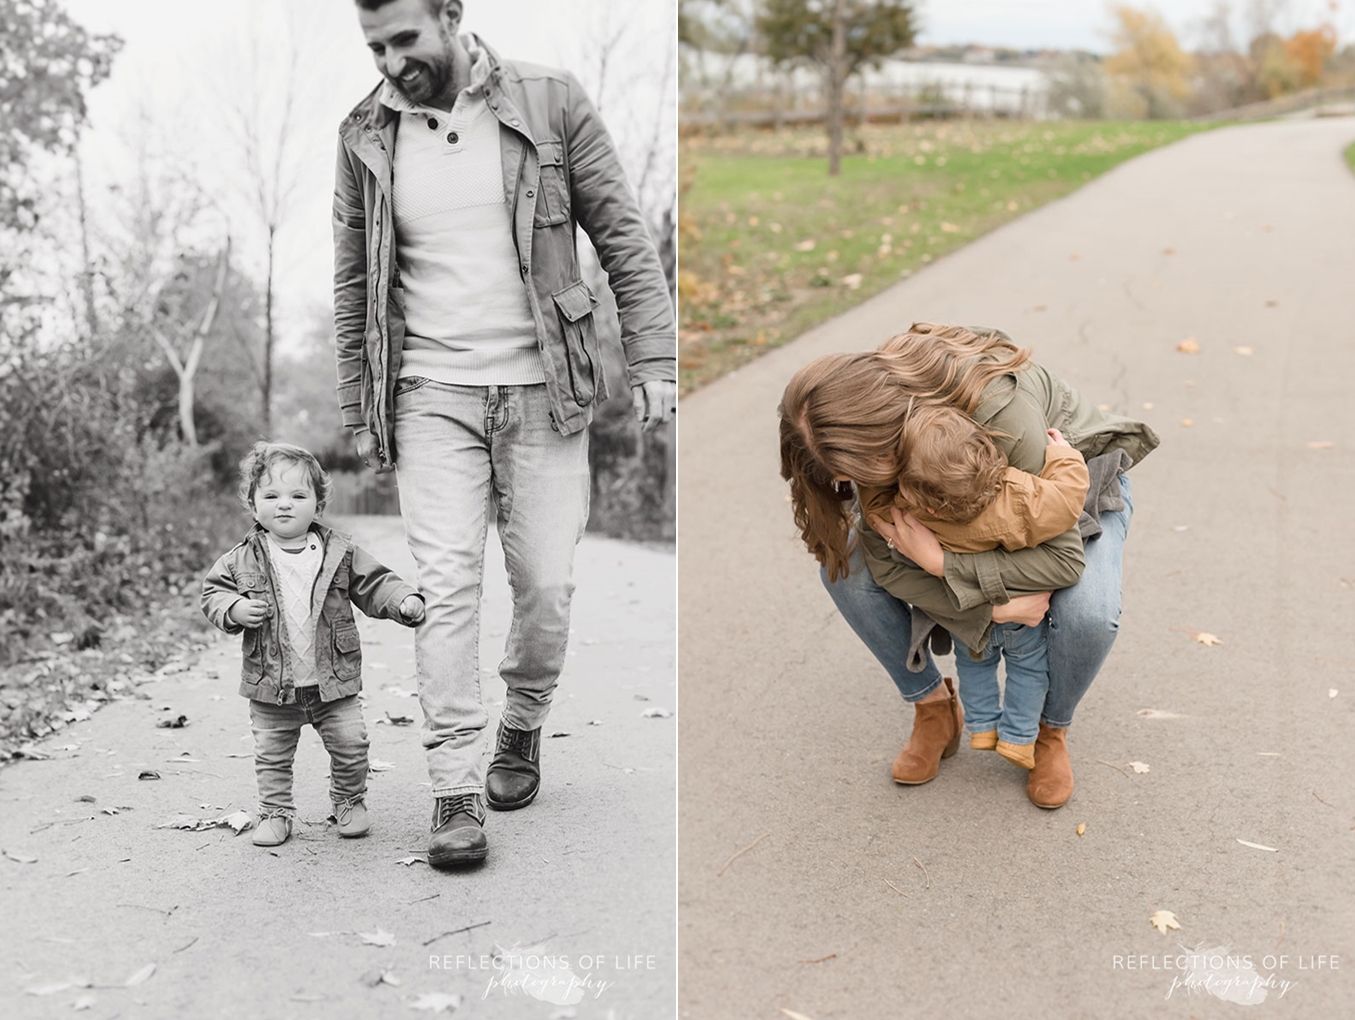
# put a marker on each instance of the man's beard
(429, 79)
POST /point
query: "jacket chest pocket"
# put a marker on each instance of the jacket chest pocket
(552, 200)
(575, 306)
(347, 651)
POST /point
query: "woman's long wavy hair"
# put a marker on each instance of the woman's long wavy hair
(843, 415)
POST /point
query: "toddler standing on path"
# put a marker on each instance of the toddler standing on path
(288, 586)
(957, 484)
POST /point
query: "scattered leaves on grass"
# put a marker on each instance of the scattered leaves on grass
(140, 977)
(1258, 846)
(1189, 346)
(177, 723)
(1082, 828)
(805, 245)
(655, 713)
(852, 281)
(380, 937)
(1164, 919)
(1137, 766)
(19, 858)
(436, 1002)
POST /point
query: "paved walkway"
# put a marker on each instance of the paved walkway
(1243, 238)
(587, 872)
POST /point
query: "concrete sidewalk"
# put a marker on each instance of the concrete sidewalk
(587, 873)
(1243, 238)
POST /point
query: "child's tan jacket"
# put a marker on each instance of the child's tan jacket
(1028, 510)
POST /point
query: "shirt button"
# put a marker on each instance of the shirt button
(433, 123)
(453, 137)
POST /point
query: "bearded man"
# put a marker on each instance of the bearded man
(468, 361)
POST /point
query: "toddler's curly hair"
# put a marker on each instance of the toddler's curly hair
(264, 456)
(952, 467)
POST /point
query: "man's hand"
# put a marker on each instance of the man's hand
(1027, 610)
(411, 610)
(910, 537)
(366, 443)
(248, 613)
(655, 401)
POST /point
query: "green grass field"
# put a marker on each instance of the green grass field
(770, 245)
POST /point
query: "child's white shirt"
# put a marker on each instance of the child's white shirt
(297, 571)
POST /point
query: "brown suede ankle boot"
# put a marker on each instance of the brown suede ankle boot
(1050, 782)
(936, 735)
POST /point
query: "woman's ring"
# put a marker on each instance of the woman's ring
(891, 545)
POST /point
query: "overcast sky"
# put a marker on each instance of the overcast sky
(1081, 24)
(184, 61)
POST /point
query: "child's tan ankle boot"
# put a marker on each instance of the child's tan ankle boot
(1018, 754)
(986, 740)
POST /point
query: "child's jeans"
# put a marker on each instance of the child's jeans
(277, 728)
(1016, 716)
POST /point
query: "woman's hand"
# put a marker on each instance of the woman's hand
(1027, 610)
(912, 539)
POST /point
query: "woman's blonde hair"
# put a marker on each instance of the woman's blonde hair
(843, 415)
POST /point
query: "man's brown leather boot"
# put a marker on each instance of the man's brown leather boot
(1050, 782)
(936, 735)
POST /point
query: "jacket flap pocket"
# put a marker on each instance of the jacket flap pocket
(346, 639)
(575, 301)
(250, 580)
(550, 154)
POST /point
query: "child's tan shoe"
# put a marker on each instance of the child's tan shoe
(273, 831)
(1018, 754)
(983, 741)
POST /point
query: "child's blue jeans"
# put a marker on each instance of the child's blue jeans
(277, 728)
(1016, 715)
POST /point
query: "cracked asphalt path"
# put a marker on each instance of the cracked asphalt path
(1243, 238)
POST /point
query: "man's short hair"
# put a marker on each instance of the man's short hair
(434, 6)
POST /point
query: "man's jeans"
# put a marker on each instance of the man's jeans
(277, 728)
(1016, 714)
(455, 446)
(1083, 621)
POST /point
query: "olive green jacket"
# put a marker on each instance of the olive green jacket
(1019, 406)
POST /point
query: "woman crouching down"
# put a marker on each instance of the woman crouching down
(845, 436)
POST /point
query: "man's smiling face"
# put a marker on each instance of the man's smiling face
(412, 46)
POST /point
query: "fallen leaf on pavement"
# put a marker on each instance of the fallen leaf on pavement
(177, 723)
(1157, 713)
(655, 713)
(1082, 829)
(140, 976)
(380, 937)
(594, 722)
(411, 859)
(1206, 638)
(396, 720)
(560, 733)
(19, 858)
(377, 765)
(1164, 919)
(794, 1015)
(436, 1002)
(1244, 351)
(238, 821)
(375, 977)
(59, 986)
(1189, 346)
(1321, 444)
(1332, 692)
(148, 774)
(1187, 422)
(1258, 846)
(398, 691)
(84, 1002)
(1137, 766)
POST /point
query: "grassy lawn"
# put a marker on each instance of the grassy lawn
(770, 245)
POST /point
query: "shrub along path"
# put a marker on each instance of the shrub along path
(96, 890)
(1243, 238)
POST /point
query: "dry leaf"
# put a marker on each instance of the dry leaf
(396, 720)
(1321, 444)
(377, 765)
(177, 723)
(1207, 639)
(19, 858)
(1187, 422)
(375, 977)
(1168, 251)
(380, 937)
(407, 861)
(1082, 829)
(794, 1015)
(655, 713)
(1189, 346)
(1258, 846)
(151, 773)
(140, 976)
(59, 986)
(1332, 692)
(1157, 713)
(436, 1002)
(1244, 351)
(1164, 919)
(84, 1002)
(852, 281)
(1147, 405)
(1137, 766)
(807, 245)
